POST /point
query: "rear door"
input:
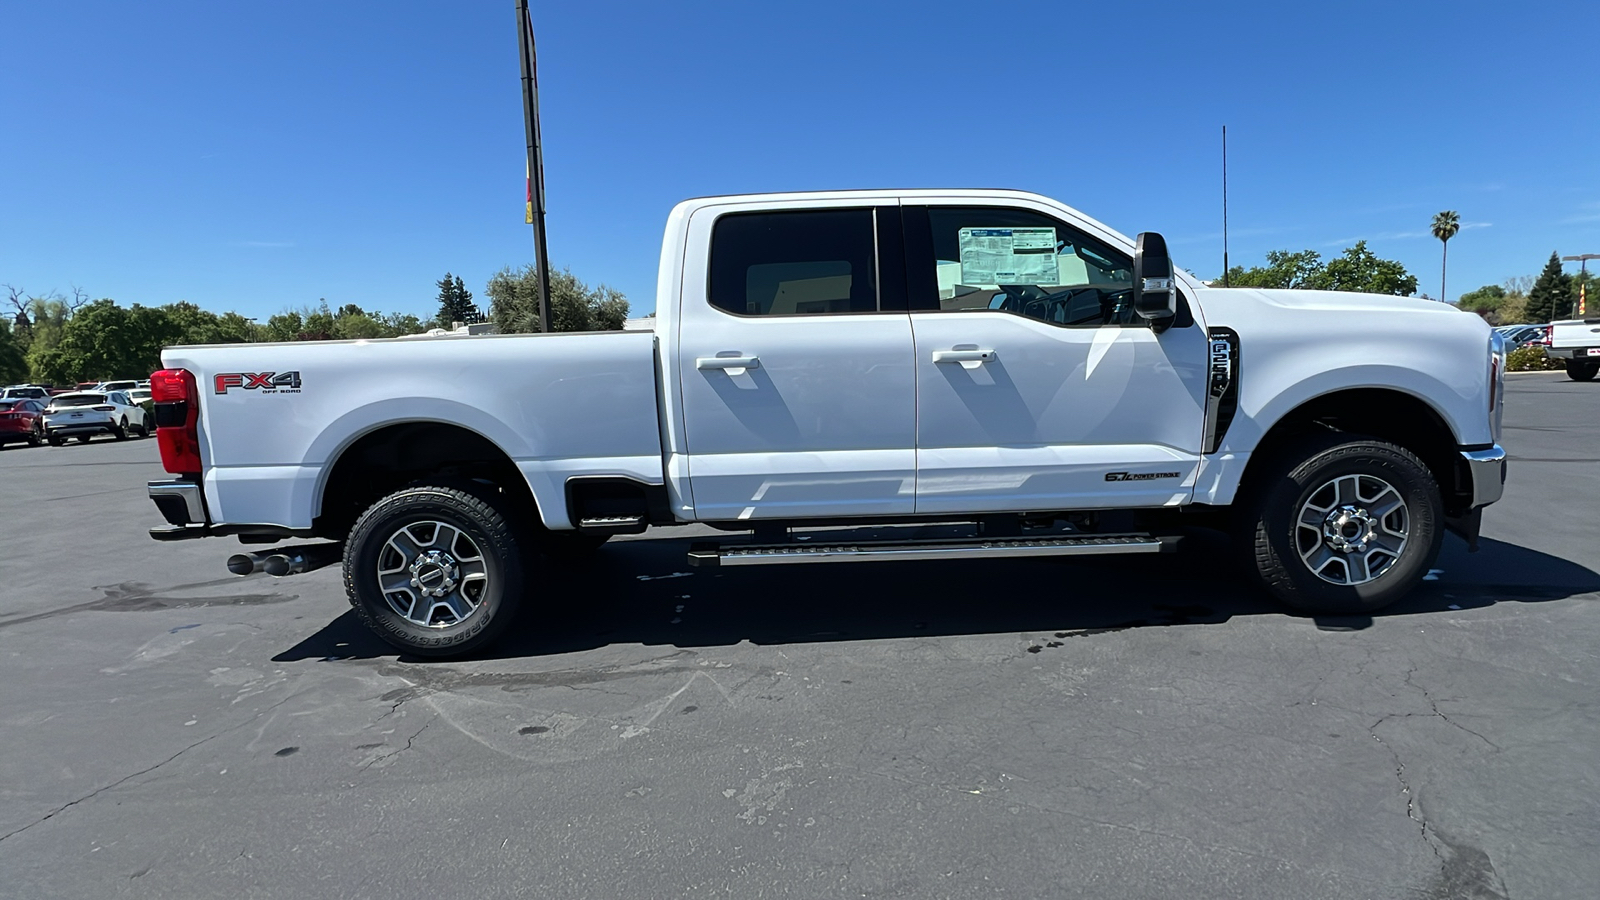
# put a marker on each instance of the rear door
(795, 354)
(1038, 387)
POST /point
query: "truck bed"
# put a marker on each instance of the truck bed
(273, 417)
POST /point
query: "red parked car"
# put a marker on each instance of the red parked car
(21, 420)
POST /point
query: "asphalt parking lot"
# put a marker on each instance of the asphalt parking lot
(958, 729)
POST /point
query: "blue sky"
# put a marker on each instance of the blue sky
(257, 157)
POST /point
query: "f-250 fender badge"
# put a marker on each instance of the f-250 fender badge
(265, 382)
(1141, 476)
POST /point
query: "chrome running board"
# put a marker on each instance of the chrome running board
(777, 554)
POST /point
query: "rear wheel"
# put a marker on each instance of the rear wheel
(1344, 526)
(1582, 370)
(436, 570)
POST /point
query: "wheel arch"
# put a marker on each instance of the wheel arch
(1386, 413)
(385, 456)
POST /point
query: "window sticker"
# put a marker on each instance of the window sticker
(1008, 256)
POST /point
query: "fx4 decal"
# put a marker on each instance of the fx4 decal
(266, 382)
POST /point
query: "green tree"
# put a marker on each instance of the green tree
(397, 324)
(1551, 294)
(574, 306)
(1445, 226)
(455, 302)
(233, 328)
(1283, 270)
(285, 326)
(193, 324)
(103, 340)
(1485, 301)
(13, 362)
(1357, 269)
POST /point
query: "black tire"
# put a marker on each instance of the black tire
(121, 431)
(1275, 542)
(84, 438)
(479, 514)
(56, 440)
(1579, 370)
(36, 436)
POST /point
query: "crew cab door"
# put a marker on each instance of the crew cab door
(795, 364)
(1038, 387)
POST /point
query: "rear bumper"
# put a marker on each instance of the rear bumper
(182, 503)
(68, 429)
(1487, 469)
(1589, 353)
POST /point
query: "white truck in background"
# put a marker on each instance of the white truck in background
(878, 360)
(1577, 341)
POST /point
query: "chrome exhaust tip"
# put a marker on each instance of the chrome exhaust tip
(247, 563)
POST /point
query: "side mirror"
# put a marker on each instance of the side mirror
(1155, 294)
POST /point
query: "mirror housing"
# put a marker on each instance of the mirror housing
(1155, 291)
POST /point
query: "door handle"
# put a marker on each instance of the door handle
(982, 356)
(728, 362)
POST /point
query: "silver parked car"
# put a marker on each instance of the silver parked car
(84, 414)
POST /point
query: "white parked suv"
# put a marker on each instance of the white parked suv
(84, 414)
(890, 359)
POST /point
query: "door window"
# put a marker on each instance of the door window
(794, 263)
(1019, 262)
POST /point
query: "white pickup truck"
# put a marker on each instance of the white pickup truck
(829, 376)
(1578, 342)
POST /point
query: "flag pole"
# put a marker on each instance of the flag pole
(530, 118)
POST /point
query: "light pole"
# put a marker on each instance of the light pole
(1582, 260)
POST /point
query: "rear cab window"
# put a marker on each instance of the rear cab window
(805, 262)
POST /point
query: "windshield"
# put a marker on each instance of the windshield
(80, 400)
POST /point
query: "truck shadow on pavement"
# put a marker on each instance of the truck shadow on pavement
(643, 592)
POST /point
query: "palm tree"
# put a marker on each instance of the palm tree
(1445, 226)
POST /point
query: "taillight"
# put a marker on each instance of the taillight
(171, 386)
(105, 409)
(177, 406)
(1494, 379)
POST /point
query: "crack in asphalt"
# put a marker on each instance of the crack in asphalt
(1405, 786)
(1434, 705)
(121, 781)
(98, 791)
(409, 741)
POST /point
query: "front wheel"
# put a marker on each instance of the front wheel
(36, 437)
(1344, 526)
(120, 432)
(1581, 370)
(435, 570)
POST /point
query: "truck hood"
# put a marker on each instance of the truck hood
(1247, 300)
